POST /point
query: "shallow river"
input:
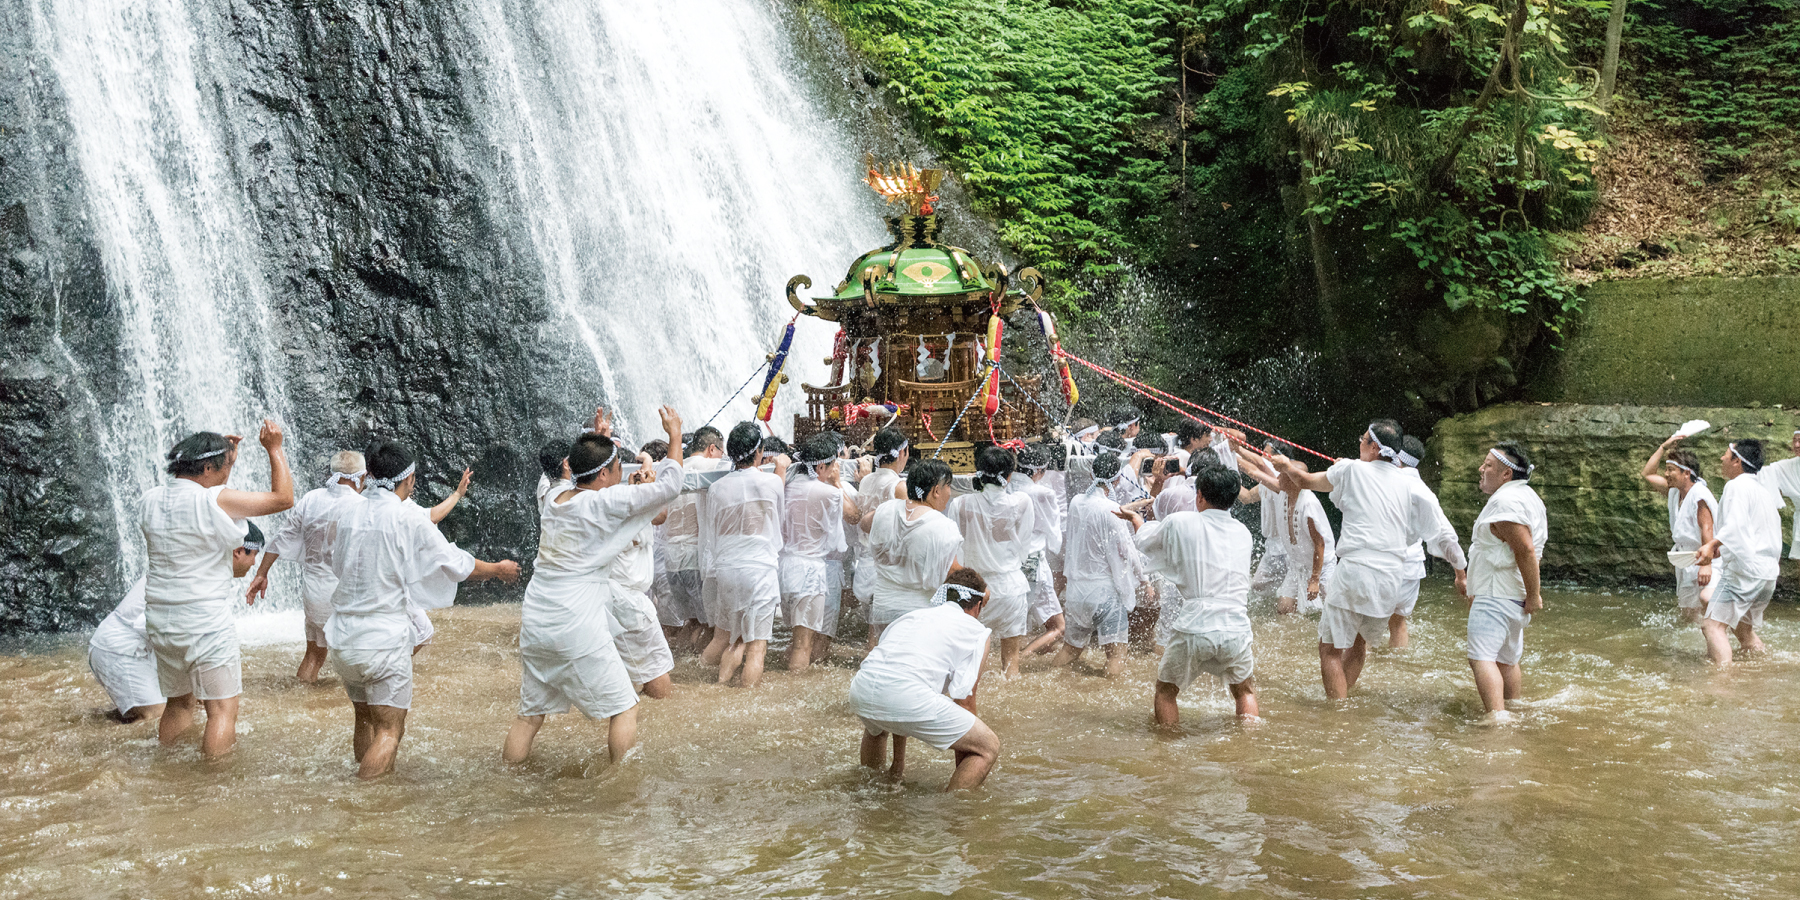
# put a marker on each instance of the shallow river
(1633, 772)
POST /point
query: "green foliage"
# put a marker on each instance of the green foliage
(1726, 72)
(1047, 111)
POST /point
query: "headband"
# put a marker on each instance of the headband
(1087, 432)
(391, 483)
(1526, 471)
(1407, 459)
(812, 465)
(346, 478)
(1129, 422)
(962, 592)
(252, 546)
(895, 453)
(750, 452)
(1750, 467)
(219, 452)
(1386, 451)
(1034, 468)
(583, 476)
(1691, 473)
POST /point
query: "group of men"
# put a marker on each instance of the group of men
(702, 540)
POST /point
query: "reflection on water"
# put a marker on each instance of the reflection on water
(1634, 772)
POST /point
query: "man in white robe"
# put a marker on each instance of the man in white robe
(1103, 569)
(1674, 472)
(1043, 561)
(1783, 477)
(1502, 592)
(817, 506)
(301, 538)
(389, 558)
(190, 527)
(1748, 543)
(685, 607)
(914, 546)
(883, 483)
(740, 538)
(587, 576)
(996, 527)
(1302, 533)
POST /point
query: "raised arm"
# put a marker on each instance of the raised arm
(1257, 468)
(1310, 481)
(1652, 472)
(279, 496)
(443, 509)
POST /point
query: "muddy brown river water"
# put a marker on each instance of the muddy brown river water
(1634, 772)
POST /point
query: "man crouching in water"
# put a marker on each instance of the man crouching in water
(920, 682)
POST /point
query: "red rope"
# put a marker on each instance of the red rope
(1158, 396)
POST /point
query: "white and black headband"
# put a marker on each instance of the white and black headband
(1507, 462)
(391, 483)
(1386, 452)
(611, 454)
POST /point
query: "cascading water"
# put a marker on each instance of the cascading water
(462, 225)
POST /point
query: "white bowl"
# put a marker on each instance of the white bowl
(1681, 559)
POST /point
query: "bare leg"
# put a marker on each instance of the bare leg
(1718, 645)
(364, 733)
(658, 688)
(1115, 659)
(1287, 606)
(1244, 692)
(389, 727)
(800, 653)
(519, 739)
(1397, 634)
(729, 659)
(754, 653)
(311, 663)
(1167, 713)
(1009, 655)
(714, 653)
(874, 750)
(621, 734)
(1066, 655)
(875, 635)
(899, 766)
(1691, 614)
(1514, 678)
(1331, 672)
(821, 649)
(1490, 684)
(1353, 663)
(1747, 639)
(221, 727)
(177, 718)
(975, 755)
(1053, 632)
(140, 713)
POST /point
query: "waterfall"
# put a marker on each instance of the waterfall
(674, 175)
(652, 174)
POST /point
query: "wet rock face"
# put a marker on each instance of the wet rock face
(407, 303)
(1606, 524)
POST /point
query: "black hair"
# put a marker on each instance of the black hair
(198, 453)
(774, 446)
(968, 578)
(1413, 447)
(1749, 452)
(550, 458)
(657, 449)
(705, 438)
(1279, 448)
(1147, 440)
(1122, 414)
(1111, 440)
(387, 459)
(592, 455)
(1514, 451)
(1106, 465)
(253, 534)
(994, 464)
(1033, 458)
(1682, 456)
(1218, 485)
(887, 444)
(924, 476)
(1188, 431)
(1387, 433)
(818, 450)
(746, 438)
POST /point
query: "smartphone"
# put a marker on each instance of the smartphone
(1171, 466)
(1147, 466)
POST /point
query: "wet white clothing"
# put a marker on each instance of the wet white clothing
(911, 557)
(303, 538)
(205, 664)
(1783, 478)
(1496, 631)
(813, 540)
(1684, 515)
(122, 631)
(997, 527)
(682, 527)
(1385, 512)
(1224, 654)
(740, 540)
(1177, 495)
(1415, 553)
(119, 654)
(875, 491)
(1046, 514)
(1205, 555)
(1097, 547)
(1739, 598)
(1748, 530)
(1493, 571)
(583, 540)
(926, 658)
(188, 585)
(387, 555)
(378, 676)
(1295, 538)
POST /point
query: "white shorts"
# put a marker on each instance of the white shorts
(1339, 627)
(1688, 592)
(422, 629)
(806, 593)
(1295, 584)
(932, 718)
(129, 680)
(315, 633)
(377, 677)
(1041, 603)
(1270, 570)
(1225, 654)
(317, 614)
(682, 604)
(1497, 630)
(748, 598)
(1094, 613)
(814, 612)
(1409, 598)
(206, 665)
(638, 636)
(596, 684)
(1005, 614)
(1356, 586)
(1740, 599)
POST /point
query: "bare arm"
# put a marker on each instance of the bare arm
(1705, 518)
(259, 585)
(279, 496)
(443, 509)
(506, 570)
(1313, 587)
(1311, 481)
(1257, 468)
(1653, 468)
(1518, 537)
